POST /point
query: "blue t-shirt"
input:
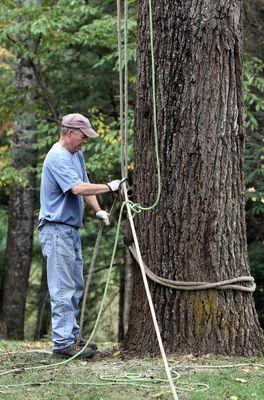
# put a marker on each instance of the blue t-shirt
(61, 171)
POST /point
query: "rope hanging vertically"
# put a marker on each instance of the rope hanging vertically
(126, 90)
(120, 69)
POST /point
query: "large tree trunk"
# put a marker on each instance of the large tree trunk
(197, 232)
(21, 208)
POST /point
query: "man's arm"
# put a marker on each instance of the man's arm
(92, 202)
(88, 189)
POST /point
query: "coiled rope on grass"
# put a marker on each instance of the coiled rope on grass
(150, 382)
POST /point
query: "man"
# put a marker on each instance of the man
(64, 186)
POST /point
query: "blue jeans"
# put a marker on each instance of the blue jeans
(61, 246)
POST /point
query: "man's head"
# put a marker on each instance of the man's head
(79, 122)
(75, 130)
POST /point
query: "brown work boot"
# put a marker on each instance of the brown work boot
(72, 350)
(92, 345)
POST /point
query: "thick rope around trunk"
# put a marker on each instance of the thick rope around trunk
(182, 285)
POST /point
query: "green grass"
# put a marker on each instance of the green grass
(241, 383)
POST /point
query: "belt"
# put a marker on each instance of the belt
(63, 223)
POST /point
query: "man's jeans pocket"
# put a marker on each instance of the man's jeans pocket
(65, 246)
(45, 242)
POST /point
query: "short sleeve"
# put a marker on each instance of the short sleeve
(65, 174)
(85, 176)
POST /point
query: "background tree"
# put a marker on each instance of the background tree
(197, 232)
(21, 200)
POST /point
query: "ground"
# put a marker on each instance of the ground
(116, 375)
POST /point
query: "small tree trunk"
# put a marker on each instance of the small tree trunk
(43, 318)
(21, 209)
(125, 287)
(128, 290)
(197, 232)
(121, 332)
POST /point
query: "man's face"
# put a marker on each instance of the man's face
(77, 140)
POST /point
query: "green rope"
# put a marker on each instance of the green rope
(154, 108)
(139, 380)
(136, 207)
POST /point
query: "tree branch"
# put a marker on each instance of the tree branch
(45, 93)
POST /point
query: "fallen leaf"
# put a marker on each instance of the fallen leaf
(246, 370)
(241, 380)
(233, 398)
(158, 395)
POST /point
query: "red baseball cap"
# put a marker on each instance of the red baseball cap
(80, 122)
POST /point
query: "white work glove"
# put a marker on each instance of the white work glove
(102, 214)
(114, 185)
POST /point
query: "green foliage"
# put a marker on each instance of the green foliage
(75, 54)
(254, 173)
(254, 168)
(253, 90)
(7, 90)
(254, 154)
(256, 257)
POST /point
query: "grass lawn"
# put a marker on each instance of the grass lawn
(139, 378)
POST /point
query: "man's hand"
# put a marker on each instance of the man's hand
(102, 214)
(114, 185)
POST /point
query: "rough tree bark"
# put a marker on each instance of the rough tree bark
(197, 232)
(21, 205)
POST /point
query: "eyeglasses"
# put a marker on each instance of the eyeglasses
(84, 137)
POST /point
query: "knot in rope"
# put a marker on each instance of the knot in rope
(136, 207)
